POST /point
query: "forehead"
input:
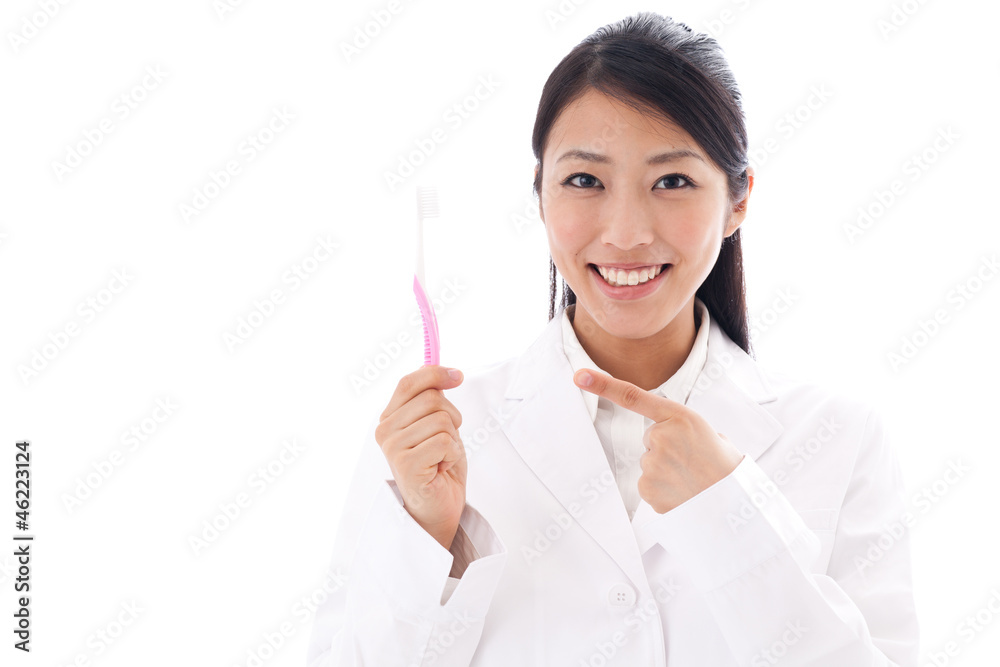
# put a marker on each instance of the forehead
(600, 123)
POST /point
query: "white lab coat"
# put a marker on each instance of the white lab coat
(798, 557)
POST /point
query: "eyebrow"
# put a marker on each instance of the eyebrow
(659, 158)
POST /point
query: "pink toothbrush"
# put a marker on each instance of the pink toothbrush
(427, 207)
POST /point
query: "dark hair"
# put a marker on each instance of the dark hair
(656, 65)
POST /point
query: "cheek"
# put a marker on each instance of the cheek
(693, 238)
(568, 227)
(697, 234)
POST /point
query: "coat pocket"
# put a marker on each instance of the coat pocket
(823, 522)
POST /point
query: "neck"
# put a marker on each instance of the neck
(645, 362)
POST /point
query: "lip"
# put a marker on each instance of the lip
(629, 267)
(628, 292)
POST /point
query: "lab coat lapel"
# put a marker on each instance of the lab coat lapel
(729, 393)
(552, 431)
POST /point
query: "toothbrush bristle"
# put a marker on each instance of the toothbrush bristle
(427, 202)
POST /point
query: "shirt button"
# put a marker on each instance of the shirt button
(621, 595)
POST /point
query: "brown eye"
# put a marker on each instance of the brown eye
(675, 181)
(588, 181)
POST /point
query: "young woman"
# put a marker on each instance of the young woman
(634, 489)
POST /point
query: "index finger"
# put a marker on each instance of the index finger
(628, 395)
(431, 376)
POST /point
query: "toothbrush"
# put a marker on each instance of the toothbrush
(427, 207)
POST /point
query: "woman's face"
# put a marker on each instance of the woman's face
(627, 190)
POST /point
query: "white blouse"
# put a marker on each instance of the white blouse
(621, 430)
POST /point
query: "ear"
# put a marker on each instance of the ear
(739, 212)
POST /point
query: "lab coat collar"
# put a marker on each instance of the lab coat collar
(551, 429)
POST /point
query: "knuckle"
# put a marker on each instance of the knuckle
(442, 419)
(436, 399)
(630, 395)
(403, 460)
(643, 486)
(391, 448)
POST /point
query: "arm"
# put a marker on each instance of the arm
(398, 597)
(753, 566)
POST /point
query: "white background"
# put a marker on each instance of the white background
(162, 336)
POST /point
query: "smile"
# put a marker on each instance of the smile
(628, 285)
(621, 277)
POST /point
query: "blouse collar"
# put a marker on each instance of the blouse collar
(677, 387)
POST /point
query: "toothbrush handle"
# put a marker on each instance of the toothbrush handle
(432, 343)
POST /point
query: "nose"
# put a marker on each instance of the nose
(626, 220)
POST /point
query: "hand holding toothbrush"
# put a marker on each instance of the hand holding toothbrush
(418, 431)
(418, 434)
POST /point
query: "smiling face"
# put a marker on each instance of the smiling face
(627, 190)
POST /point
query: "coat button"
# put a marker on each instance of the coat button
(621, 595)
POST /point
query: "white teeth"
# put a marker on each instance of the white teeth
(619, 277)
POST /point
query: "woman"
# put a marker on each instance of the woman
(634, 489)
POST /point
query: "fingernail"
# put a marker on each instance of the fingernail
(454, 374)
(586, 379)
